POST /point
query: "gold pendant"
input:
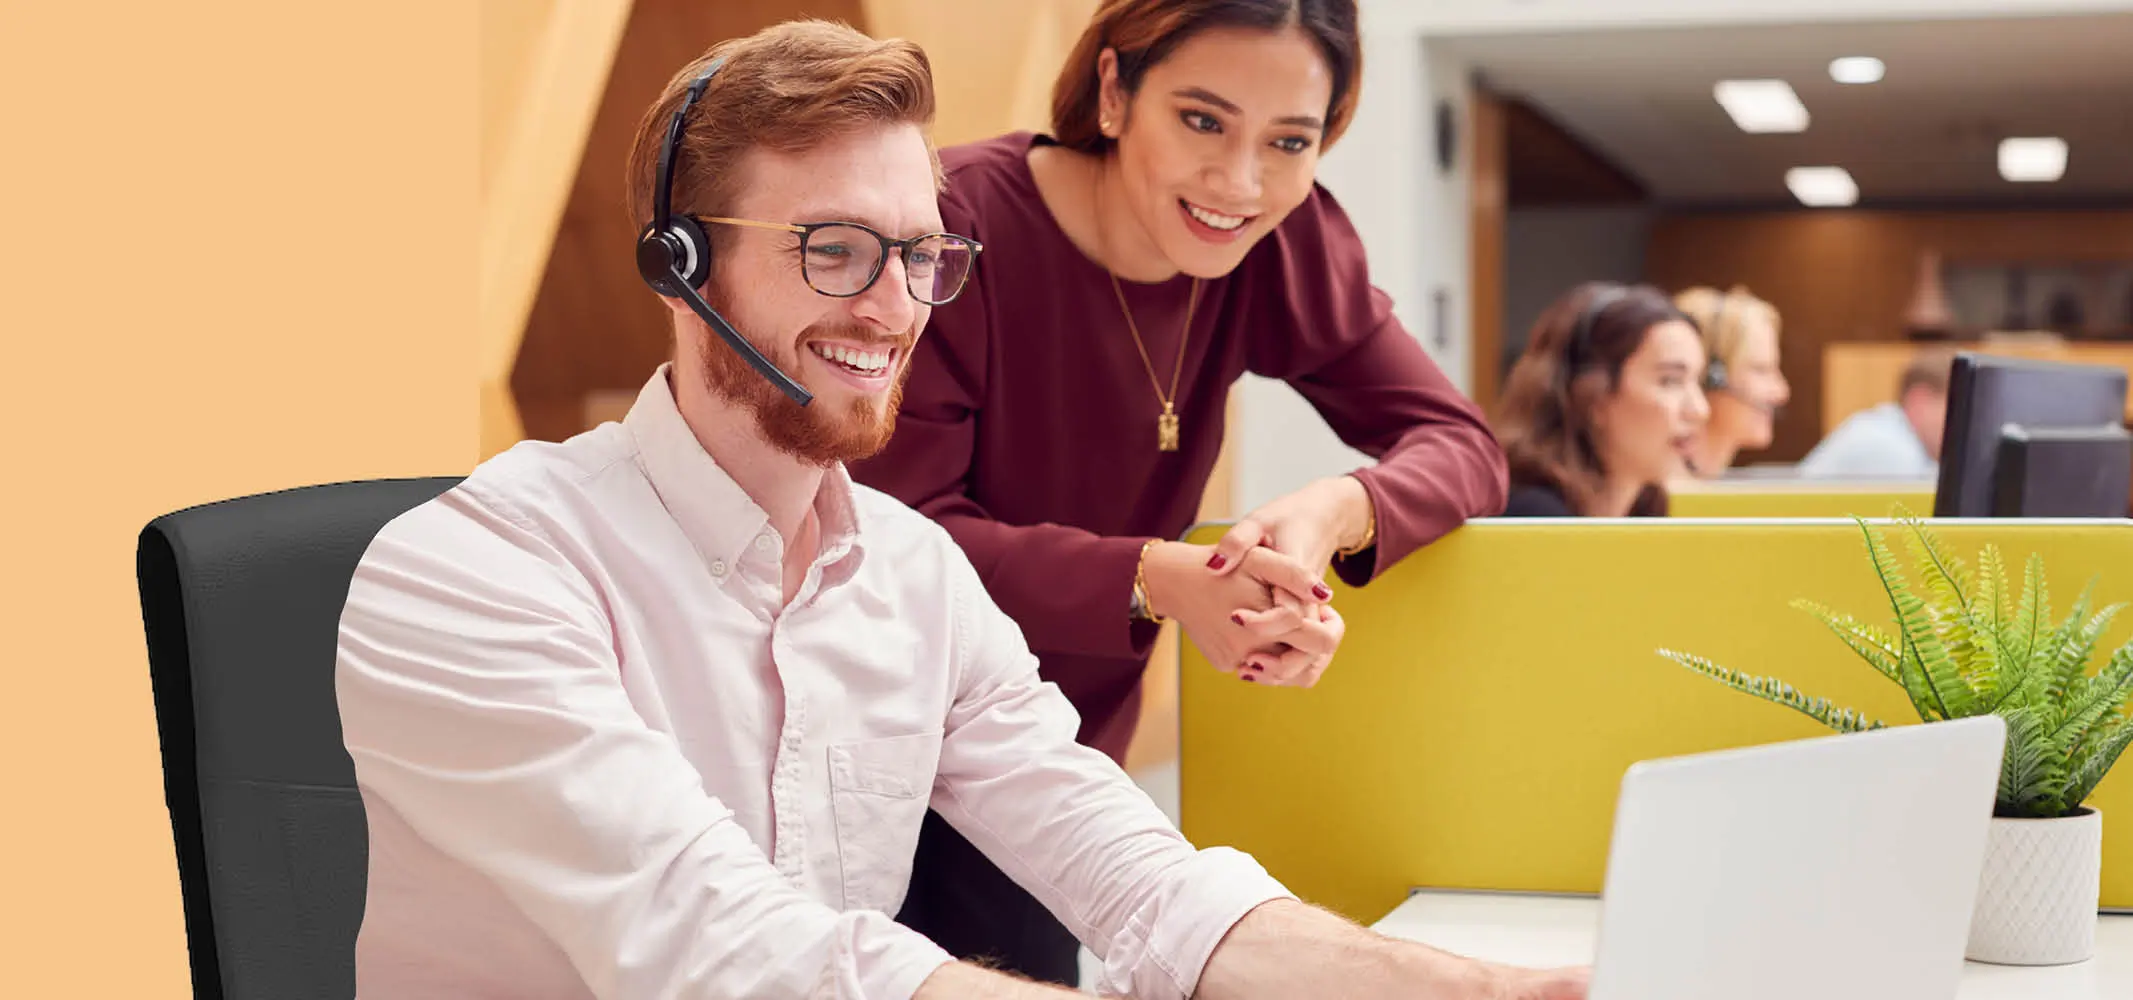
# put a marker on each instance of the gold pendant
(1166, 430)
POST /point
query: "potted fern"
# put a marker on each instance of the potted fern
(1969, 646)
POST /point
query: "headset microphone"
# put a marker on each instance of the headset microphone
(674, 255)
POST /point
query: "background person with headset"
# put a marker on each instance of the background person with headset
(1744, 382)
(1064, 417)
(1603, 406)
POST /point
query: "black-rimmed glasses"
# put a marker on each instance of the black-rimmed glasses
(843, 259)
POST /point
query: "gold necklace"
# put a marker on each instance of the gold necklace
(1166, 426)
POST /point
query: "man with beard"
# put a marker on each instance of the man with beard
(658, 711)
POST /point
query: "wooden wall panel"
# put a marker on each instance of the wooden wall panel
(993, 62)
(594, 325)
(544, 64)
(1546, 165)
(1487, 203)
(1840, 276)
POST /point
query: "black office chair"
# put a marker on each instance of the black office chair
(241, 602)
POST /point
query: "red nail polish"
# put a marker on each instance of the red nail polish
(1321, 592)
(1236, 617)
(1248, 679)
(1217, 562)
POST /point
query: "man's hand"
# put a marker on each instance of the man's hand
(1546, 984)
(962, 981)
(1285, 948)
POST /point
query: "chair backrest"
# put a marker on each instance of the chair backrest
(241, 602)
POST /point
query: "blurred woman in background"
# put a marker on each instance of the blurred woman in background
(1604, 405)
(1743, 381)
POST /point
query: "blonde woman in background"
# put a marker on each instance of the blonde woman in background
(1743, 381)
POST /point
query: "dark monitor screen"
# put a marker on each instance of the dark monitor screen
(2063, 472)
(1987, 393)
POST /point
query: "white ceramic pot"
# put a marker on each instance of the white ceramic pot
(2037, 896)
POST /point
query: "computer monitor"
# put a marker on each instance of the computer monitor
(2063, 472)
(1993, 399)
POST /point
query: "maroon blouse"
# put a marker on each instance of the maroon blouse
(1028, 425)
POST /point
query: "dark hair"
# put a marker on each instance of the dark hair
(1573, 357)
(1145, 32)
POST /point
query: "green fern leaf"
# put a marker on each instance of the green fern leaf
(2032, 617)
(1979, 662)
(1910, 618)
(1945, 576)
(1992, 587)
(2073, 663)
(1956, 698)
(1988, 617)
(1777, 692)
(2096, 698)
(1967, 637)
(1877, 649)
(2031, 679)
(2092, 762)
(2030, 781)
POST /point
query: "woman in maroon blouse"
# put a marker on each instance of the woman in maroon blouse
(1063, 416)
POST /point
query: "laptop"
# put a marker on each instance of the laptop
(1832, 868)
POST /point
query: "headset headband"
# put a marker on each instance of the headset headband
(1581, 333)
(671, 149)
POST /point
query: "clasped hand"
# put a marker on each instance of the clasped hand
(1255, 602)
(1260, 616)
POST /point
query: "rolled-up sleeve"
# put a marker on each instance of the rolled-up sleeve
(482, 701)
(1068, 825)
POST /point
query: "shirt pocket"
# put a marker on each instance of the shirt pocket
(880, 790)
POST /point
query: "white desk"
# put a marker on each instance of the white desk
(1546, 931)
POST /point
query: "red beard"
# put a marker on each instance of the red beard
(814, 434)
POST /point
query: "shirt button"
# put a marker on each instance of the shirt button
(762, 542)
(718, 567)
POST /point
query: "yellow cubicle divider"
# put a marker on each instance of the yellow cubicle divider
(1783, 498)
(1473, 730)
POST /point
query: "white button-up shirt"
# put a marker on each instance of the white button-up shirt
(601, 758)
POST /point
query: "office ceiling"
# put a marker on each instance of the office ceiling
(1927, 133)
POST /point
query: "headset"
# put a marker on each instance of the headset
(674, 256)
(1715, 376)
(1581, 331)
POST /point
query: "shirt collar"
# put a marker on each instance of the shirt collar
(719, 518)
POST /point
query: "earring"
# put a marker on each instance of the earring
(1104, 125)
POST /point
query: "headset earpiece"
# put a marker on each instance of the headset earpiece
(673, 244)
(1715, 376)
(682, 248)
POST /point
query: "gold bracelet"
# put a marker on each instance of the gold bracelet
(1140, 584)
(1370, 527)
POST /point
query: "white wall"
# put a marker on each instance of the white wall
(1453, 16)
(1413, 219)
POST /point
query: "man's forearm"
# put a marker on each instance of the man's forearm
(962, 981)
(1285, 948)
